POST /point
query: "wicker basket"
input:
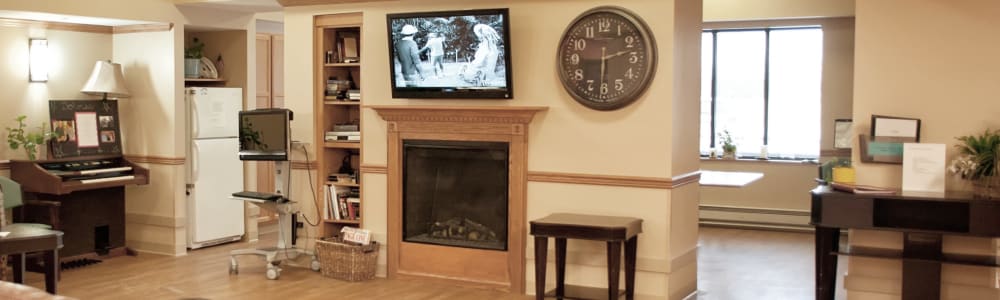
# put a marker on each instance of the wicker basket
(346, 261)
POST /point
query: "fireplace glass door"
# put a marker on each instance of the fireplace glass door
(455, 193)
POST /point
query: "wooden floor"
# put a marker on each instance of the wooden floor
(733, 264)
(736, 264)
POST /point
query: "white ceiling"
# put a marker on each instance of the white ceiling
(253, 6)
(249, 6)
(47, 17)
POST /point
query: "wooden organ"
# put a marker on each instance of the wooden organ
(91, 195)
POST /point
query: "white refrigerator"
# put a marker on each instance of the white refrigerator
(214, 168)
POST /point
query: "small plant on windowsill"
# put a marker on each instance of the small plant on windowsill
(728, 147)
(979, 162)
(30, 141)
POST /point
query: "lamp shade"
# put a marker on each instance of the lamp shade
(106, 80)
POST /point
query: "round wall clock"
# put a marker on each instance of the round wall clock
(606, 58)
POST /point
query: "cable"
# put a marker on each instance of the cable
(311, 189)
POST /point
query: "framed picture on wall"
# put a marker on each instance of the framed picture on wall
(842, 133)
(888, 134)
(903, 129)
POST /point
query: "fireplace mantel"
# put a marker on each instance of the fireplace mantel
(462, 114)
(497, 269)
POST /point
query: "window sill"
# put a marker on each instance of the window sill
(761, 161)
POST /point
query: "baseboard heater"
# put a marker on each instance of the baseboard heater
(755, 218)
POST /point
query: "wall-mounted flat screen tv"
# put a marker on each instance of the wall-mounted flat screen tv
(450, 54)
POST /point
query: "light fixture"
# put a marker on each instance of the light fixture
(38, 59)
(106, 80)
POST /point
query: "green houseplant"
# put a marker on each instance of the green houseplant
(192, 58)
(21, 137)
(979, 162)
(728, 147)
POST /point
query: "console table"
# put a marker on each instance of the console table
(923, 220)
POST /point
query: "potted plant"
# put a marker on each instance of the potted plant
(192, 59)
(30, 141)
(979, 162)
(728, 147)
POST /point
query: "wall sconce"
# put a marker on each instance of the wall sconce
(38, 60)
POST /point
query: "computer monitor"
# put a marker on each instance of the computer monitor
(265, 134)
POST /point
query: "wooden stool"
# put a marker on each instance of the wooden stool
(613, 230)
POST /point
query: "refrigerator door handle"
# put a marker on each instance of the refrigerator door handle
(194, 162)
(194, 118)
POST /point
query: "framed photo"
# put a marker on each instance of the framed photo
(84, 128)
(880, 149)
(906, 130)
(842, 133)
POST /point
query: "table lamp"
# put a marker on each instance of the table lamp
(106, 80)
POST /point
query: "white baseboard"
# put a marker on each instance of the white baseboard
(754, 218)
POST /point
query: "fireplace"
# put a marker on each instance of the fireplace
(452, 171)
(455, 193)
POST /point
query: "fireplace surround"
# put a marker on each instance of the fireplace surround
(455, 193)
(507, 125)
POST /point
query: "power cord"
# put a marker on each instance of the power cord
(313, 190)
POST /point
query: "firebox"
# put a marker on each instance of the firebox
(455, 193)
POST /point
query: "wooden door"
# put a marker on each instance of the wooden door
(265, 179)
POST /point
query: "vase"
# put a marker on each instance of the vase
(986, 187)
(192, 67)
(729, 154)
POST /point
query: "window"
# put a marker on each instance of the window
(763, 86)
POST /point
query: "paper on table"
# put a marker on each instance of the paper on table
(86, 129)
(923, 167)
(4, 234)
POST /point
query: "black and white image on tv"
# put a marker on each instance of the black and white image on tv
(449, 52)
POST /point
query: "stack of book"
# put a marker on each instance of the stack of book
(343, 136)
(342, 203)
(354, 95)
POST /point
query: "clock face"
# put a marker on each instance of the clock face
(606, 58)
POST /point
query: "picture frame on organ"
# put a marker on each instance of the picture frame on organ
(84, 128)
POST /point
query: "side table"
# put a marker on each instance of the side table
(26, 239)
(613, 230)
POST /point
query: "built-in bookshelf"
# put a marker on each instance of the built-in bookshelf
(338, 120)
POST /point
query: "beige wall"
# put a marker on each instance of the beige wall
(635, 141)
(741, 10)
(935, 61)
(72, 57)
(153, 125)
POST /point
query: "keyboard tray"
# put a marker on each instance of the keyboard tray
(257, 195)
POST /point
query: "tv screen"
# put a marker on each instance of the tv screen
(264, 134)
(450, 54)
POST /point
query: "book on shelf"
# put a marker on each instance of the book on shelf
(332, 202)
(342, 203)
(351, 212)
(346, 127)
(326, 202)
(340, 178)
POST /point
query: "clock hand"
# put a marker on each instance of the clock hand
(616, 54)
(603, 62)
